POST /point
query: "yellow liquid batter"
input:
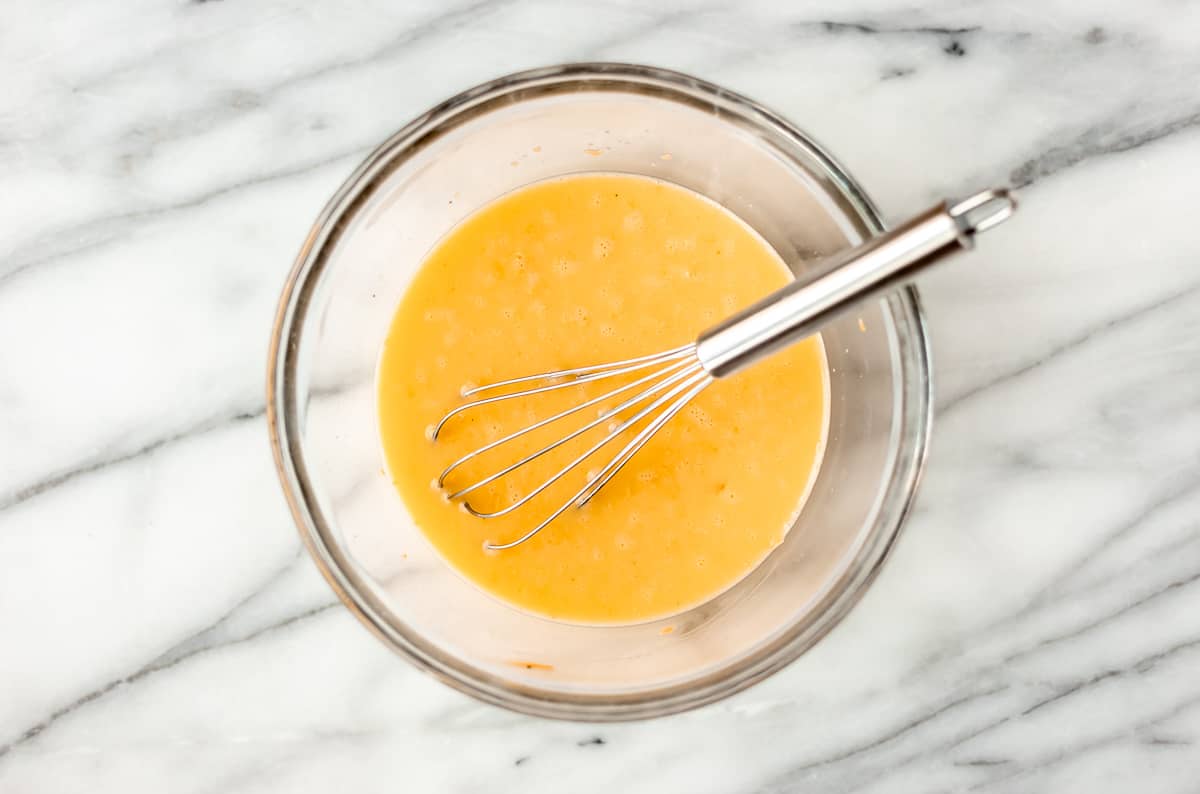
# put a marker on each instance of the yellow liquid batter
(576, 271)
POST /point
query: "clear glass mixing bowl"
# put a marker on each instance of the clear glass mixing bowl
(356, 263)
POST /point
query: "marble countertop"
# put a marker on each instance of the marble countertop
(1038, 628)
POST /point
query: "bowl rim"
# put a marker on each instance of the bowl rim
(358, 595)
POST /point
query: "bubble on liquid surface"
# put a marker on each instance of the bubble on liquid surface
(675, 245)
(699, 415)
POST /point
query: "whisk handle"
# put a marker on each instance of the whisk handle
(834, 284)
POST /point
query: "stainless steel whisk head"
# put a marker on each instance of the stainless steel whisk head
(676, 376)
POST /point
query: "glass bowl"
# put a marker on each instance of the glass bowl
(357, 261)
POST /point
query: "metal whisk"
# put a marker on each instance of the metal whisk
(665, 382)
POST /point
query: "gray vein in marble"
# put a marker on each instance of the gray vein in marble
(1044, 599)
(899, 732)
(1174, 497)
(1178, 295)
(208, 638)
(109, 229)
(1084, 628)
(878, 29)
(984, 762)
(441, 22)
(1105, 138)
(1178, 489)
(1167, 741)
(1065, 755)
(1027, 768)
(1041, 601)
(832, 26)
(1140, 667)
(897, 72)
(952, 35)
(190, 647)
(75, 471)
(1117, 133)
(1083, 748)
(211, 115)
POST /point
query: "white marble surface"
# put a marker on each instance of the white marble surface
(1038, 628)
